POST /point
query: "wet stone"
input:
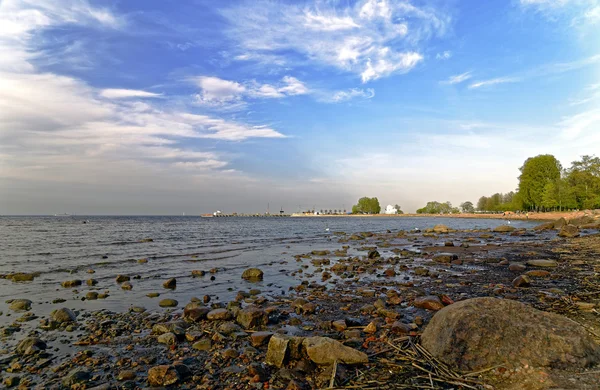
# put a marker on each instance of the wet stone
(168, 303)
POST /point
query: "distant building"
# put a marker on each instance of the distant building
(390, 209)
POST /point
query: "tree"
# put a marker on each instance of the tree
(481, 203)
(584, 179)
(438, 208)
(398, 209)
(366, 206)
(536, 172)
(467, 207)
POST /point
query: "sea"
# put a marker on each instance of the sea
(101, 247)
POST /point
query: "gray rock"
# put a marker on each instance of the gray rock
(167, 338)
(277, 352)
(168, 303)
(63, 315)
(445, 257)
(542, 263)
(252, 317)
(219, 314)
(28, 343)
(325, 351)
(164, 375)
(569, 231)
(484, 332)
(78, 375)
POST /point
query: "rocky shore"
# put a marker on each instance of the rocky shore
(477, 311)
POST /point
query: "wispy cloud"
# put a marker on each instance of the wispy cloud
(578, 13)
(457, 79)
(115, 93)
(445, 55)
(346, 95)
(372, 38)
(57, 127)
(219, 92)
(498, 80)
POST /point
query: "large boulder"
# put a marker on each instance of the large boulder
(569, 231)
(325, 351)
(483, 332)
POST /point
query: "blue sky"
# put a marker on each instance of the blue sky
(153, 107)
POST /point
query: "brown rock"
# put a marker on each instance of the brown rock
(440, 229)
(569, 231)
(484, 332)
(537, 273)
(325, 351)
(517, 267)
(339, 325)
(163, 376)
(504, 229)
(259, 338)
(277, 352)
(219, 314)
(445, 257)
(252, 317)
(253, 274)
(122, 278)
(170, 283)
(430, 302)
(521, 281)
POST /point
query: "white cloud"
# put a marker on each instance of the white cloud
(444, 55)
(457, 79)
(219, 92)
(499, 80)
(389, 63)
(115, 93)
(372, 38)
(21, 19)
(56, 128)
(343, 96)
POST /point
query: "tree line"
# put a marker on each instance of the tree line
(544, 185)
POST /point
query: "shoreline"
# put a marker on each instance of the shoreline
(532, 216)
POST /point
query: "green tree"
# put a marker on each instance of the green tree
(366, 206)
(398, 209)
(584, 179)
(536, 172)
(467, 207)
(438, 208)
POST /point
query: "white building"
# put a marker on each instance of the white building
(390, 209)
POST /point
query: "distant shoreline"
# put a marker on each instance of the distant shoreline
(550, 216)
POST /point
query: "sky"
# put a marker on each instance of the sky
(154, 107)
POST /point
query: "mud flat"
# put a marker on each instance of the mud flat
(399, 310)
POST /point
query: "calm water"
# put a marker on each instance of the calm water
(64, 248)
